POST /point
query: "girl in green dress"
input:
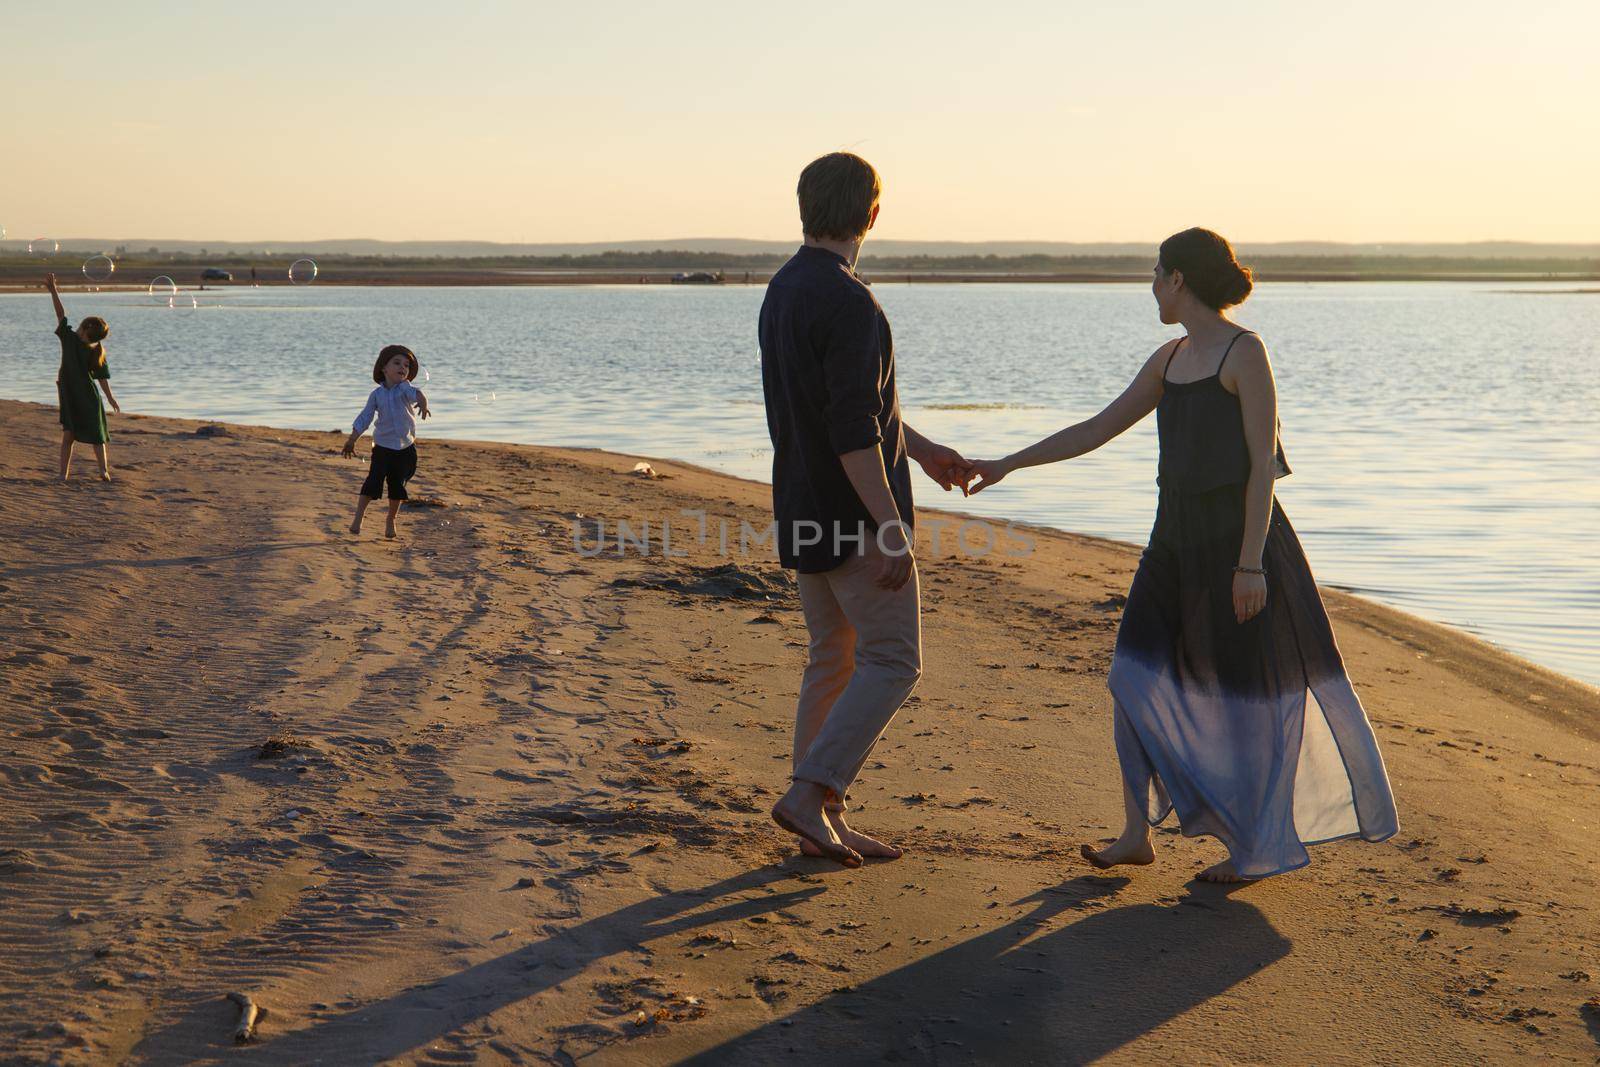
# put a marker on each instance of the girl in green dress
(83, 363)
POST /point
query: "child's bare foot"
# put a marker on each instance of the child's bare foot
(105, 476)
(867, 846)
(1136, 851)
(1222, 873)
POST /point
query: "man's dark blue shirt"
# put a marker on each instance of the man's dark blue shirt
(827, 369)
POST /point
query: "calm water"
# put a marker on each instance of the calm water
(1441, 434)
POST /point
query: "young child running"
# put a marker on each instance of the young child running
(394, 448)
(83, 363)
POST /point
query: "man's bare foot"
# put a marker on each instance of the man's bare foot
(870, 847)
(388, 531)
(105, 476)
(1222, 873)
(1138, 852)
(355, 527)
(806, 821)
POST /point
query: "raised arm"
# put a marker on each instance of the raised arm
(55, 297)
(1136, 401)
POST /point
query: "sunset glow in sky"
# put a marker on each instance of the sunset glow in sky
(561, 122)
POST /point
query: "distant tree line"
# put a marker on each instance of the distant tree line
(672, 260)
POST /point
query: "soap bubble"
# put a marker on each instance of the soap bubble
(425, 376)
(303, 271)
(164, 288)
(43, 246)
(99, 269)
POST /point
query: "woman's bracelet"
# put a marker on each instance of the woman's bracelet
(1251, 570)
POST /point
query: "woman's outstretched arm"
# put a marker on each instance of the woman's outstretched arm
(1137, 400)
(1249, 374)
(55, 297)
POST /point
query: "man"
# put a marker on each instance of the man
(841, 494)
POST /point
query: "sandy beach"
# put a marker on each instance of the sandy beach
(483, 795)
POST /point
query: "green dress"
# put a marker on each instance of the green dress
(82, 413)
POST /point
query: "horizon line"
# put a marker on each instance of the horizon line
(667, 243)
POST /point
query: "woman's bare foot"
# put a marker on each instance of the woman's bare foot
(800, 813)
(1138, 852)
(1222, 873)
(870, 847)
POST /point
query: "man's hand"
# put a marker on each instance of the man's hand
(50, 282)
(945, 465)
(893, 554)
(349, 447)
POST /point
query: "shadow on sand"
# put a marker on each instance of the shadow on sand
(378, 1032)
(1069, 995)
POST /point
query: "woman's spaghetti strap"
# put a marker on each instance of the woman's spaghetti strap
(1225, 351)
(1174, 352)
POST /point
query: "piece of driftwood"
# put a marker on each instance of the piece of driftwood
(250, 1013)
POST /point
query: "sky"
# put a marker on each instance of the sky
(402, 120)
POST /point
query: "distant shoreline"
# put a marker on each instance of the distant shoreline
(189, 268)
(12, 281)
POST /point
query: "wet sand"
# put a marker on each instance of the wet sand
(513, 805)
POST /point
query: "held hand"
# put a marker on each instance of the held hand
(946, 466)
(988, 472)
(1249, 595)
(893, 554)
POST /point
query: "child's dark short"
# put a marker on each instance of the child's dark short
(392, 466)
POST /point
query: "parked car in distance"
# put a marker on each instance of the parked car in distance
(215, 274)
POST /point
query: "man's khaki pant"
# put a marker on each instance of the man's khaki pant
(865, 657)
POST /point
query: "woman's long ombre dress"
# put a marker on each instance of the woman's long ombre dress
(1250, 731)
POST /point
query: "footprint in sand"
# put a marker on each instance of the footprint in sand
(82, 741)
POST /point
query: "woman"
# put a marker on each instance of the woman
(83, 364)
(1231, 702)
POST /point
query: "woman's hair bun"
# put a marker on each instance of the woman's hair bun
(1210, 270)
